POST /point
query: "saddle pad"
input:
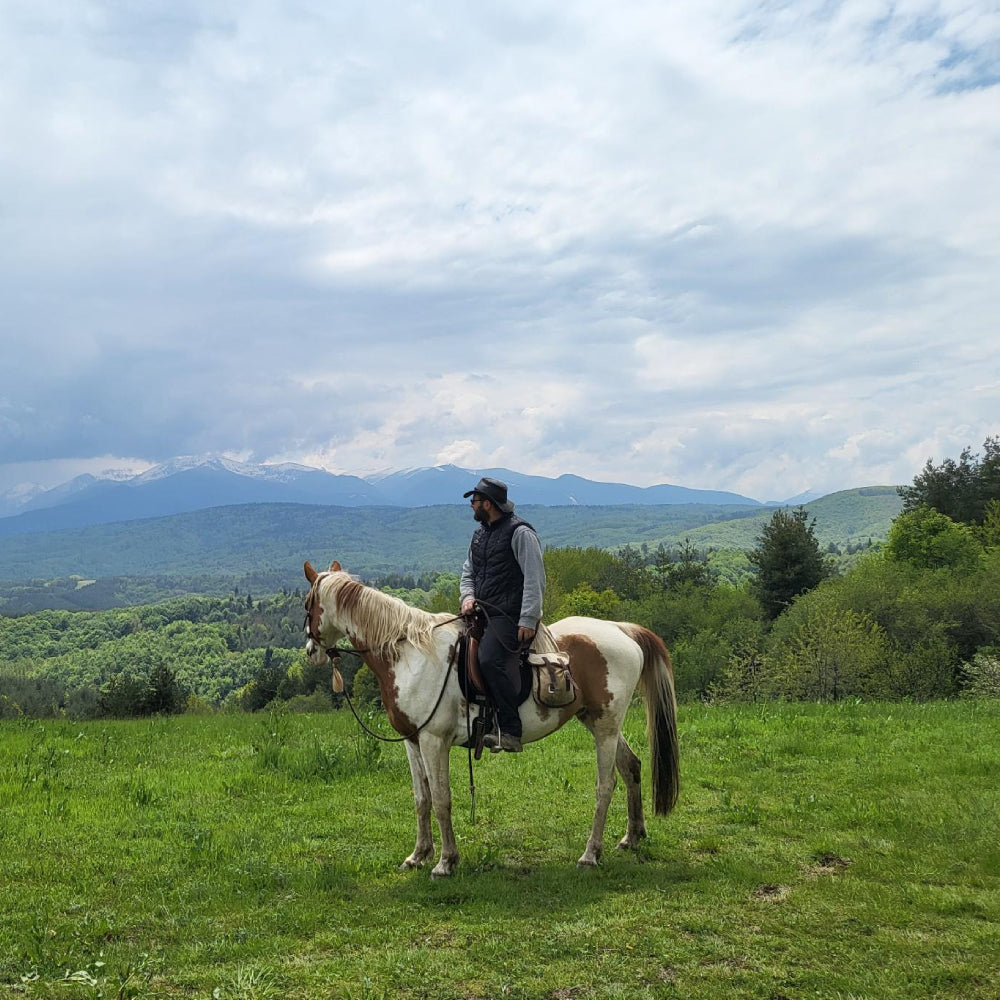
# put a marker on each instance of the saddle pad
(552, 683)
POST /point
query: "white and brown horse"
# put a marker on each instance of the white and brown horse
(408, 650)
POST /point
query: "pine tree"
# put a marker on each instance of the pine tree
(787, 559)
(961, 490)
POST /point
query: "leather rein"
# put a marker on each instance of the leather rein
(334, 653)
(423, 725)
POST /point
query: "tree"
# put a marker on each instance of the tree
(584, 600)
(685, 566)
(787, 560)
(166, 696)
(961, 490)
(836, 653)
(988, 531)
(367, 694)
(123, 697)
(626, 575)
(932, 540)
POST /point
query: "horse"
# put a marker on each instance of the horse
(410, 653)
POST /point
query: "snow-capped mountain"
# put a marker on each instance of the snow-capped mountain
(192, 483)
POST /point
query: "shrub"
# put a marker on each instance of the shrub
(584, 600)
(743, 679)
(129, 696)
(834, 654)
(365, 692)
(932, 540)
(166, 695)
(699, 663)
(124, 696)
(981, 677)
(318, 701)
(198, 706)
(720, 662)
(34, 697)
(263, 689)
(922, 670)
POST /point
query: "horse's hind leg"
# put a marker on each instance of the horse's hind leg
(630, 769)
(605, 786)
(424, 847)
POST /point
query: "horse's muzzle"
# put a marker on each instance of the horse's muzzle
(315, 652)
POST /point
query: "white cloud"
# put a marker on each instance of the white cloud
(727, 244)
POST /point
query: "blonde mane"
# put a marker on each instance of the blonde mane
(380, 621)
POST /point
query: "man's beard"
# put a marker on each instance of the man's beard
(481, 516)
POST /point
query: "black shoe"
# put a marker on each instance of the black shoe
(512, 744)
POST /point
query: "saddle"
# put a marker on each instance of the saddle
(546, 677)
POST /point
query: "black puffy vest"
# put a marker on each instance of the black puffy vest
(496, 576)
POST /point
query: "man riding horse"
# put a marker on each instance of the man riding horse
(504, 577)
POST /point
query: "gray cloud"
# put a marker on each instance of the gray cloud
(733, 246)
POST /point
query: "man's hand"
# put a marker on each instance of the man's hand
(468, 605)
(525, 635)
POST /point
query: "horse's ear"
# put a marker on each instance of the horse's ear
(335, 567)
(311, 574)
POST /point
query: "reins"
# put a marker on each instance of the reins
(423, 725)
(482, 606)
(334, 652)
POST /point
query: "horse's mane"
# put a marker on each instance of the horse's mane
(382, 622)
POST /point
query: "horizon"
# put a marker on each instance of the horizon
(184, 462)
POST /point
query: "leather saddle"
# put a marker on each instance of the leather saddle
(470, 677)
(546, 676)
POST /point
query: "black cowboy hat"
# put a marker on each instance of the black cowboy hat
(494, 491)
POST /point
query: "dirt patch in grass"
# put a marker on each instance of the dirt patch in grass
(771, 893)
(828, 864)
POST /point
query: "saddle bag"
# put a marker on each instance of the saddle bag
(552, 684)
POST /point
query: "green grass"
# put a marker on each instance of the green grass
(848, 851)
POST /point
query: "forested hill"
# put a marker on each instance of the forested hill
(274, 539)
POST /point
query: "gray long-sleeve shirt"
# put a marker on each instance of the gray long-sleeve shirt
(528, 553)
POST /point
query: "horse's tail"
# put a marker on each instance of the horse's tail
(661, 716)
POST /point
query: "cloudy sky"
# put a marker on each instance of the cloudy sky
(725, 244)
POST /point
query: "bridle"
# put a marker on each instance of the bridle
(333, 653)
(314, 637)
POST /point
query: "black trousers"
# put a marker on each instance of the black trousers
(500, 663)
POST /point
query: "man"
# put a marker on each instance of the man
(505, 576)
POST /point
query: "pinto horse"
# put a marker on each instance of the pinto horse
(409, 652)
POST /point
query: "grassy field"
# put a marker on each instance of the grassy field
(847, 852)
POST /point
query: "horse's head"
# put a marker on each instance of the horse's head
(321, 630)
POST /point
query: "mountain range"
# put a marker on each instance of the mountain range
(264, 544)
(186, 485)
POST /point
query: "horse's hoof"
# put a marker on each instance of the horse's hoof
(444, 868)
(417, 859)
(586, 862)
(631, 843)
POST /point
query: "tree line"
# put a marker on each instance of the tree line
(917, 618)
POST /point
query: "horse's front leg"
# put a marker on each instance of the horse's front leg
(434, 752)
(606, 749)
(424, 847)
